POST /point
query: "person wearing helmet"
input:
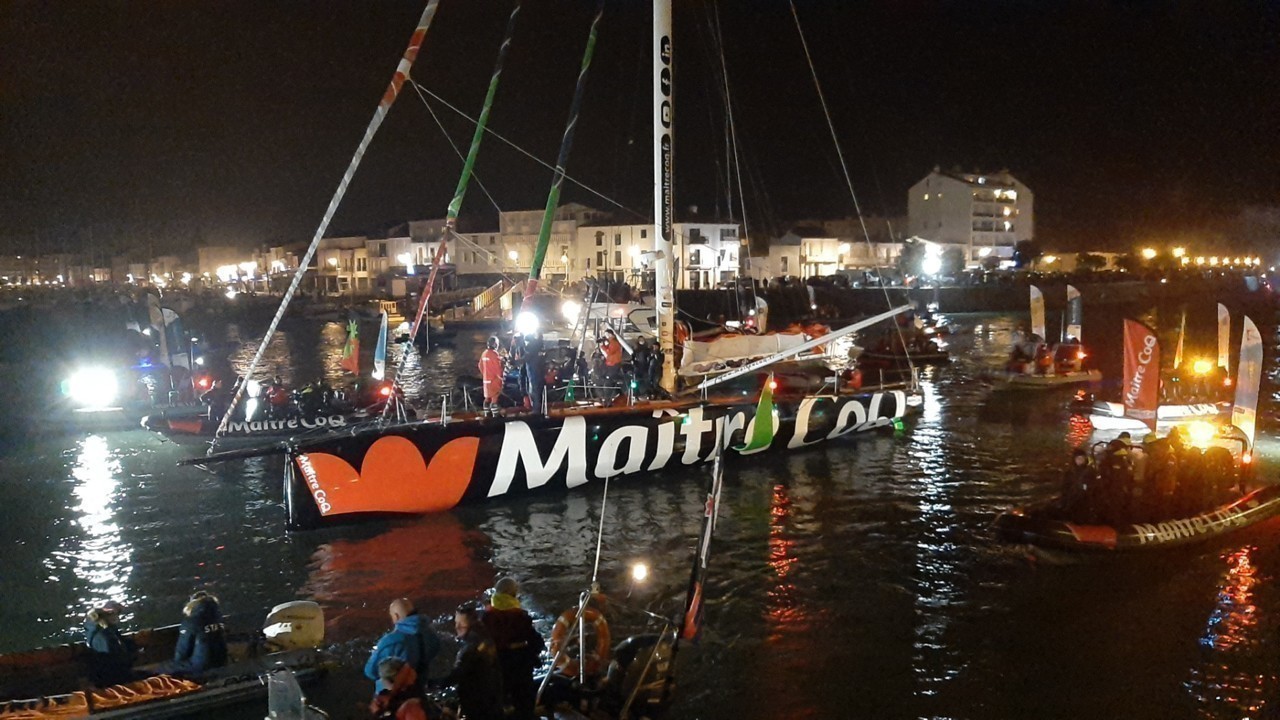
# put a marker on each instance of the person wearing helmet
(491, 377)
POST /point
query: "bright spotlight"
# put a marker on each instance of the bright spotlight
(92, 387)
(931, 265)
(1199, 433)
(1201, 367)
(570, 309)
(639, 572)
(526, 323)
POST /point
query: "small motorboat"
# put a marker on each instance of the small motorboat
(52, 682)
(1041, 527)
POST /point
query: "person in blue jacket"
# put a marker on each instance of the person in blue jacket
(202, 639)
(410, 639)
(110, 653)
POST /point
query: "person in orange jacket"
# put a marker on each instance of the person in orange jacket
(612, 348)
(491, 375)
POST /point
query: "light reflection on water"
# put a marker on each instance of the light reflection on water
(99, 556)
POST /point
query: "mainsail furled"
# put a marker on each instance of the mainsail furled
(1141, 390)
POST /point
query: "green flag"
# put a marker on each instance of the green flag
(762, 431)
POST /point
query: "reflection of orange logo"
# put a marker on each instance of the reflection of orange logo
(393, 477)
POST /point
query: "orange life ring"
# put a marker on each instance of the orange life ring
(566, 663)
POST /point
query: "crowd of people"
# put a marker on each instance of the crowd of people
(1157, 479)
(542, 374)
(498, 651)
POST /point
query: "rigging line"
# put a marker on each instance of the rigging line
(844, 167)
(384, 106)
(452, 144)
(745, 243)
(526, 153)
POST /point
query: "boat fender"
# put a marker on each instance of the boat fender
(595, 662)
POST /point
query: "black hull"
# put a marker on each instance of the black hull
(428, 467)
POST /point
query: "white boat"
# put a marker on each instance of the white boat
(1110, 415)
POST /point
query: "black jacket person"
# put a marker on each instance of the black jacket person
(518, 644)
(476, 674)
(202, 641)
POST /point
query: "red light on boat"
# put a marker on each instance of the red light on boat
(1081, 355)
(203, 382)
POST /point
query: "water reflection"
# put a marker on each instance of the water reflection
(1227, 680)
(433, 560)
(100, 557)
(936, 571)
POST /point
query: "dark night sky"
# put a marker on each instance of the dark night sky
(167, 123)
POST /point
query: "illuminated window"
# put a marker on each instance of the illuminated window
(926, 196)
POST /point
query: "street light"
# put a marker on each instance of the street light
(513, 255)
(1179, 252)
(1148, 253)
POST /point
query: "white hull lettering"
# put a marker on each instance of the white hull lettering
(313, 484)
(666, 445)
(851, 417)
(802, 424)
(1189, 527)
(519, 448)
(257, 426)
(636, 437)
(693, 429)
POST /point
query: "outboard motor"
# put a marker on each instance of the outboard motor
(294, 625)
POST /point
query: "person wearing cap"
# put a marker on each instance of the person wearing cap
(476, 674)
(111, 654)
(518, 644)
(202, 639)
(491, 376)
(410, 639)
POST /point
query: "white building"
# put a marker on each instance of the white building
(810, 251)
(982, 214)
(705, 253)
(518, 231)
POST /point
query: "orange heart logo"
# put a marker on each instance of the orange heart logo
(392, 478)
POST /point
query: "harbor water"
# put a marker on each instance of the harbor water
(854, 579)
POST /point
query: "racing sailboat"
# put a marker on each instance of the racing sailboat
(440, 462)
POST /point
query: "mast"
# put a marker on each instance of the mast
(566, 144)
(468, 168)
(384, 106)
(663, 189)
